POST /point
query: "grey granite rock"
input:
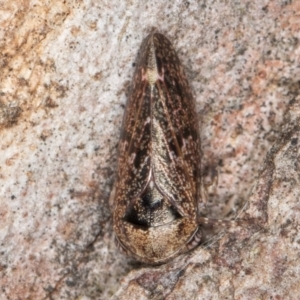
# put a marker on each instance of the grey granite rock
(65, 69)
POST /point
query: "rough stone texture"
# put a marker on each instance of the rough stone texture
(246, 263)
(65, 68)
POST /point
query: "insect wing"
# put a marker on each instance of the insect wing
(135, 145)
(158, 184)
(176, 143)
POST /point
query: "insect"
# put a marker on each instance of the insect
(158, 188)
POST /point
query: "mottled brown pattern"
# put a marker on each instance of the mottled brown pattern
(158, 184)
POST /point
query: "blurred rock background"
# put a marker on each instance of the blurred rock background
(64, 80)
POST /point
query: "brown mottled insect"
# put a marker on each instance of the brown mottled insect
(157, 192)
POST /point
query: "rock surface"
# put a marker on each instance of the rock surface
(65, 71)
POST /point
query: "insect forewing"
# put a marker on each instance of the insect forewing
(158, 184)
